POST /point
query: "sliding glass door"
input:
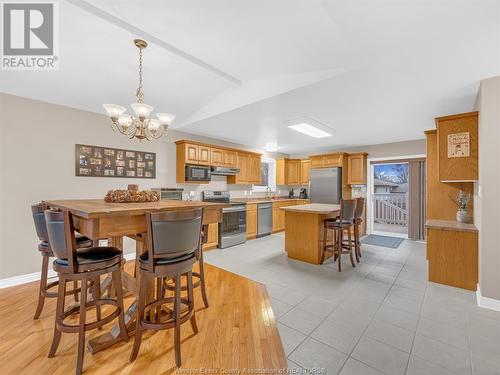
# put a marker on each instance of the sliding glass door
(396, 198)
(389, 199)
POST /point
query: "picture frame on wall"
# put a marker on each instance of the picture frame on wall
(101, 161)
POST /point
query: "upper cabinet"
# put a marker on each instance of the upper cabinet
(356, 169)
(191, 152)
(217, 157)
(327, 160)
(289, 172)
(249, 166)
(223, 158)
(457, 137)
(305, 168)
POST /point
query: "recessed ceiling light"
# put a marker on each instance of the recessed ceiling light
(310, 130)
(271, 147)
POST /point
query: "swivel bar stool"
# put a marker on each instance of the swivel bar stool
(46, 252)
(339, 225)
(174, 242)
(85, 266)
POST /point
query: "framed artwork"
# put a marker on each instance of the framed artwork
(459, 145)
(99, 161)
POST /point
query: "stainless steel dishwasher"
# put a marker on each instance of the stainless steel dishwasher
(264, 219)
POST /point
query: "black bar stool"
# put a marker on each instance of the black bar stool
(85, 266)
(174, 244)
(45, 250)
(343, 223)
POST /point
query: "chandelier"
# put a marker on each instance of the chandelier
(140, 126)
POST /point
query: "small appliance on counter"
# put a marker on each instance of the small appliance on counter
(291, 193)
(233, 229)
(169, 193)
(303, 194)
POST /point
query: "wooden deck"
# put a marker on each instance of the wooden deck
(237, 331)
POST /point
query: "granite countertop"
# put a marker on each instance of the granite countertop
(264, 200)
(450, 225)
(314, 208)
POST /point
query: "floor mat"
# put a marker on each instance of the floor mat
(384, 241)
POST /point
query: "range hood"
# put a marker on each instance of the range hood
(224, 171)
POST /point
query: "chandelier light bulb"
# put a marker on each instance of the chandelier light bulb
(165, 118)
(114, 110)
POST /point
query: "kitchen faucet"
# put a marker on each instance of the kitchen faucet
(268, 193)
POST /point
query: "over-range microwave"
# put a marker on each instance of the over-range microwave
(197, 173)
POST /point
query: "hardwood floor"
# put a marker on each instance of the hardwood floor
(238, 330)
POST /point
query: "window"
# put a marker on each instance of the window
(267, 175)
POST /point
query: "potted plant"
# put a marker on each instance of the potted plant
(462, 201)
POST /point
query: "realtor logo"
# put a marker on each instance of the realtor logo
(30, 36)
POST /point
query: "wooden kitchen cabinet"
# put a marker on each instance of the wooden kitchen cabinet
(249, 165)
(289, 172)
(203, 155)
(293, 172)
(217, 157)
(251, 220)
(356, 169)
(213, 237)
(191, 152)
(452, 253)
(305, 168)
(230, 159)
(327, 160)
(458, 147)
(279, 215)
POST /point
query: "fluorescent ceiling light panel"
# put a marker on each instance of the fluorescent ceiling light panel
(310, 130)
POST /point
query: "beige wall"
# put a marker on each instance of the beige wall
(37, 151)
(488, 188)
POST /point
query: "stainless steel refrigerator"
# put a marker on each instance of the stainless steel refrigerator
(325, 185)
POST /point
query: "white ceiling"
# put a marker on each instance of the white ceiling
(375, 71)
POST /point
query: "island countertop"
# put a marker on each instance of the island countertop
(98, 208)
(314, 208)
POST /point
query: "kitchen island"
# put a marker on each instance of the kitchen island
(304, 230)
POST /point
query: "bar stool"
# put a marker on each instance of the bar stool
(358, 220)
(46, 252)
(86, 266)
(200, 275)
(174, 241)
(344, 222)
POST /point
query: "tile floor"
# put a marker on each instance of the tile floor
(381, 317)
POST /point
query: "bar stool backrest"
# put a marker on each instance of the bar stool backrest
(174, 234)
(61, 235)
(38, 211)
(360, 205)
(347, 207)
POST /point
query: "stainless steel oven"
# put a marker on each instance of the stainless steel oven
(197, 173)
(233, 229)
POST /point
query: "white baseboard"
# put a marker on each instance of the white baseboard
(486, 302)
(35, 276)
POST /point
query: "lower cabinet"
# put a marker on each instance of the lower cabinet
(251, 220)
(279, 215)
(213, 237)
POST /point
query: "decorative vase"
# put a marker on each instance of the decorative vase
(462, 216)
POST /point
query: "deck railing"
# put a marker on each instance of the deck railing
(391, 208)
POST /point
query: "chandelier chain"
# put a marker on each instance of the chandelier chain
(140, 94)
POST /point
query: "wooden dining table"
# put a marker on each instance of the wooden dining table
(98, 220)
